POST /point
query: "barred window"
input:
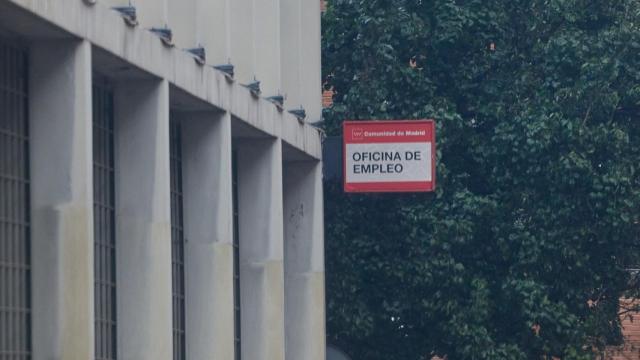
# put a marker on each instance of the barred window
(15, 264)
(236, 257)
(104, 222)
(177, 241)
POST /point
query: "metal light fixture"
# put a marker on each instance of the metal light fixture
(199, 54)
(277, 100)
(90, 2)
(227, 69)
(128, 13)
(317, 124)
(300, 114)
(254, 87)
(165, 34)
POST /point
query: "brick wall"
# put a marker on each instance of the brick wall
(631, 332)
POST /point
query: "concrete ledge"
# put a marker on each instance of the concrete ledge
(104, 28)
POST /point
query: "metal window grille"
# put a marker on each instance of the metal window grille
(15, 264)
(177, 241)
(104, 222)
(236, 258)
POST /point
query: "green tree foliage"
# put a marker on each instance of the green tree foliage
(522, 250)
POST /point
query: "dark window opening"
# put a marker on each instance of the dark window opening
(15, 247)
(104, 222)
(177, 241)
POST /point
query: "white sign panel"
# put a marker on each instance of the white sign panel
(389, 156)
(383, 162)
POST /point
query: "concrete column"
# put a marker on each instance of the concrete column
(290, 34)
(267, 45)
(310, 59)
(241, 39)
(261, 249)
(61, 199)
(143, 251)
(304, 261)
(208, 222)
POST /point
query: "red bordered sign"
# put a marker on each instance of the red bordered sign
(389, 156)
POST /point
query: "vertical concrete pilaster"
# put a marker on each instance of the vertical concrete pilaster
(267, 45)
(213, 29)
(304, 261)
(290, 37)
(183, 18)
(143, 251)
(310, 59)
(61, 199)
(241, 39)
(261, 249)
(208, 222)
(300, 59)
(152, 13)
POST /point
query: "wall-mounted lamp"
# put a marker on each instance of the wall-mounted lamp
(128, 13)
(165, 34)
(90, 2)
(227, 69)
(254, 87)
(300, 114)
(278, 101)
(199, 54)
(317, 124)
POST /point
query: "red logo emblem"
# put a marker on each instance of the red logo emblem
(357, 133)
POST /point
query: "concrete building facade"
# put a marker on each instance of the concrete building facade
(152, 204)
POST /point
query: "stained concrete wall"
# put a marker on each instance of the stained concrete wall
(61, 199)
(263, 38)
(137, 48)
(143, 231)
(275, 41)
(143, 70)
